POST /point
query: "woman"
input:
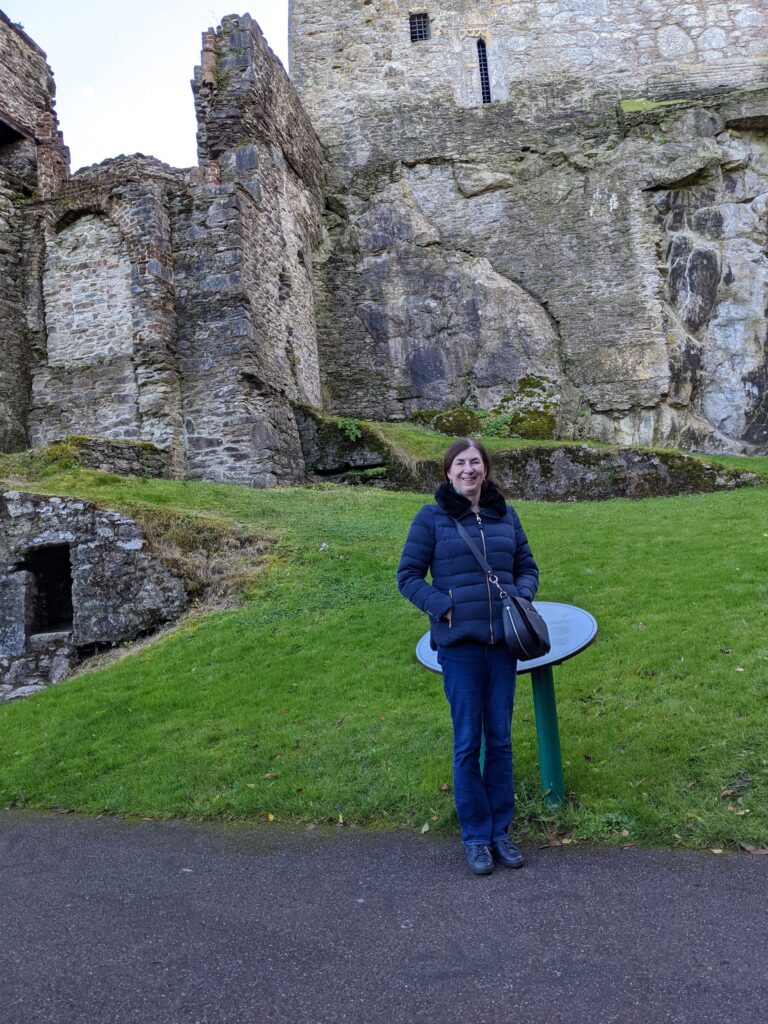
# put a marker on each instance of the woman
(467, 630)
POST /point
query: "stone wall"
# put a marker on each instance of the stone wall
(74, 578)
(174, 307)
(30, 141)
(14, 376)
(546, 233)
(32, 156)
(101, 312)
(351, 52)
(245, 238)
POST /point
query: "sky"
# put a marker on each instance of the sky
(122, 71)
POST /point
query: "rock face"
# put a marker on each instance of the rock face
(574, 472)
(73, 578)
(167, 306)
(596, 217)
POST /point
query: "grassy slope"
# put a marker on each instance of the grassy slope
(307, 701)
(423, 443)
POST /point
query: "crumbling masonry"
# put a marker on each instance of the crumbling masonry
(170, 306)
(574, 191)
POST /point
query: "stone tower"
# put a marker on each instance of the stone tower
(571, 190)
(144, 303)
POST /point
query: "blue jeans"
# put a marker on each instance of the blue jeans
(479, 681)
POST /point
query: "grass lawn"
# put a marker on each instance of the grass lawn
(307, 704)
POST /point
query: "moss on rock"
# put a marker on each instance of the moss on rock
(457, 422)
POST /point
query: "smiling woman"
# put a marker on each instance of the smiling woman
(467, 631)
(122, 71)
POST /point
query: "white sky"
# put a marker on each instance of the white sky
(122, 71)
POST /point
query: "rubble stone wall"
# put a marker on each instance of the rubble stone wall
(169, 306)
(348, 53)
(14, 376)
(26, 82)
(27, 127)
(244, 240)
(119, 588)
(101, 307)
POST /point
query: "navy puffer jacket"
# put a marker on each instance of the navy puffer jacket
(458, 583)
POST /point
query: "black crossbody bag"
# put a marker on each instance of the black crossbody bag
(525, 631)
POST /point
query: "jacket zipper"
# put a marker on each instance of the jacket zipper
(487, 583)
(450, 621)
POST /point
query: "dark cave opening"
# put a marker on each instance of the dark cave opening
(52, 570)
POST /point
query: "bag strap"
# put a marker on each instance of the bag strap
(484, 565)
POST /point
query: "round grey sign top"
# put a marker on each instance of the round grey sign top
(571, 630)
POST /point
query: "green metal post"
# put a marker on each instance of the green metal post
(548, 735)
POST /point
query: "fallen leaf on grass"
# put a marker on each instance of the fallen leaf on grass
(425, 827)
(761, 851)
(725, 650)
(739, 811)
(271, 775)
(628, 846)
(726, 792)
(716, 849)
(444, 787)
(690, 785)
(739, 668)
(553, 841)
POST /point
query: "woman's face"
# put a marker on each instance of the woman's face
(467, 472)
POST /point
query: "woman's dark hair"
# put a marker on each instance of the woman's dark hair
(461, 446)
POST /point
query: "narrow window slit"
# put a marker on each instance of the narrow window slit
(485, 78)
(51, 595)
(419, 27)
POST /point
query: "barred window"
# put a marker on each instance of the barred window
(485, 78)
(419, 27)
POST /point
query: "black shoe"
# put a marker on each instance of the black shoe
(479, 859)
(507, 853)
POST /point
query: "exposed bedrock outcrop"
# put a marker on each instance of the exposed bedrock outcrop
(578, 472)
(620, 254)
(351, 452)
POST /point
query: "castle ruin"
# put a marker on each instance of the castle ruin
(444, 200)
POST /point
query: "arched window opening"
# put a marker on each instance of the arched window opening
(485, 78)
(419, 27)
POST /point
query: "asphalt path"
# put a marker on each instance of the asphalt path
(116, 922)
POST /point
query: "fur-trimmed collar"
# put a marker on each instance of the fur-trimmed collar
(456, 505)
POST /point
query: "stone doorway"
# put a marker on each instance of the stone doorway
(51, 589)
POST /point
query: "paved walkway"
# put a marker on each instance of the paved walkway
(107, 921)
